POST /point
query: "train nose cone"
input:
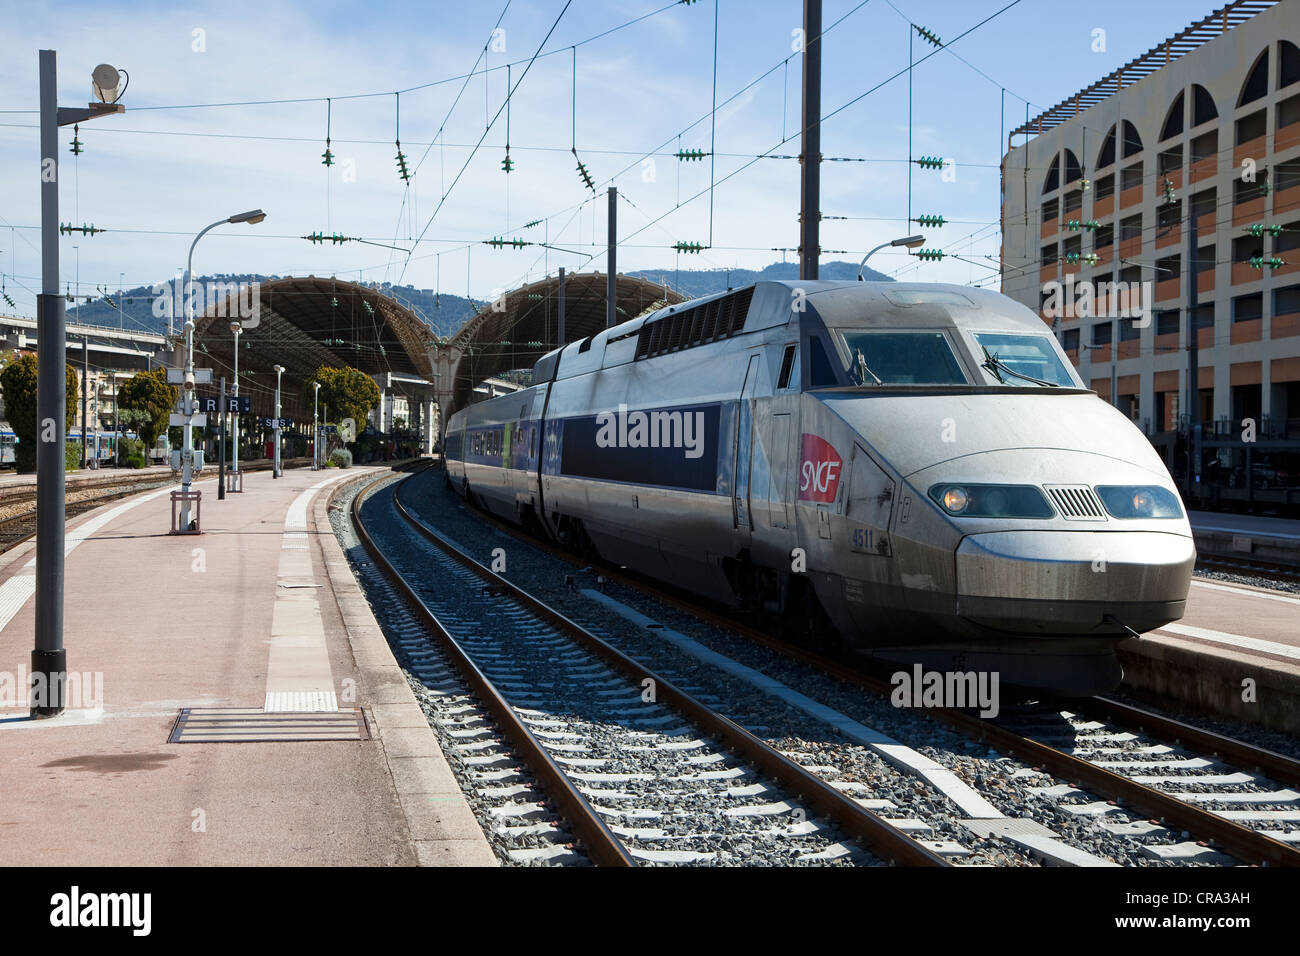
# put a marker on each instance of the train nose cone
(1070, 582)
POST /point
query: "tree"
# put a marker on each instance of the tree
(18, 382)
(149, 392)
(348, 392)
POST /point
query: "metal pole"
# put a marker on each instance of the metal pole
(611, 299)
(1193, 359)
(117, 426)
(275, 463)
(810, 151)
(221, 445)
(234, 451)
(315, 428)
(49, 658)
(85, 393)
(560, 343)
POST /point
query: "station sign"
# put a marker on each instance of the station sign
(197, 420)
(276, 422)
(242, 405)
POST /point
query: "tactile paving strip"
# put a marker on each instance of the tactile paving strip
(241, 725)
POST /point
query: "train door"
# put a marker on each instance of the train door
(869, 504)
(741, 517)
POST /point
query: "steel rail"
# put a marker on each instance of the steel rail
(884, 839)
(1240, 754)
(1237, 840)
(601, 844)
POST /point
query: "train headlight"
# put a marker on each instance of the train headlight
(955, 500)
(992, 501)
(1139, 501)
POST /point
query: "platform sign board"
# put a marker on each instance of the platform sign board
(197, 420)
(242, 405)
(202, 376)
(274, 422)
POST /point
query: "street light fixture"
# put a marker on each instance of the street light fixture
(275, 466)
(187, 437)
(910, 241)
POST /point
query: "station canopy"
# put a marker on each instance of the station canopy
(524, 325)
(309, 322)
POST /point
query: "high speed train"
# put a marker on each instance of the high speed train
(919, 465)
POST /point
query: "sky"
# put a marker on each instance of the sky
(627, 101)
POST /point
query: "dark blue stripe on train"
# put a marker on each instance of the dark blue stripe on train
(620, 446)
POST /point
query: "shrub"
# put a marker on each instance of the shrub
(341, 457)
(71, 456)
(135, 461)
(129, 448)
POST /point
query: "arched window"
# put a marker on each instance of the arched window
(1107, 155)
(1288, 55)
(1073, 170)
(1132, 141)
(1256, 85)
(1203, 109)
(1174, 118)
(1053, 180)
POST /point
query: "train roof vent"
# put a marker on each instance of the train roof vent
(1076, 502)
(686, 328)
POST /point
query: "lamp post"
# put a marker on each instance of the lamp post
(275, 465)
(187, 434)
(315, 429)
(49, 661)
(236, 484)
(910, 241)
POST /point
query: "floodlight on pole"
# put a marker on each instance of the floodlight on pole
(49, 662)
(910, 242)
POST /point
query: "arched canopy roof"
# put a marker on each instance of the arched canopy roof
(523, 325)
(306, 322)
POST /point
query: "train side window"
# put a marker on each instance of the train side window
(789, 368)
(820, 370)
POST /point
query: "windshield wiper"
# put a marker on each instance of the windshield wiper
(996, 366)
(862, 366)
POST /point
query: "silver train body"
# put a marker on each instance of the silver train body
(919, 462)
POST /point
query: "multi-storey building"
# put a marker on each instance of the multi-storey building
(1102, 188)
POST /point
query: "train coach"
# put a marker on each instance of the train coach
(917, 465)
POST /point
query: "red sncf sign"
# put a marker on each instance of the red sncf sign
(819, 469)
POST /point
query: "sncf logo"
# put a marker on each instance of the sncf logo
(819, 473)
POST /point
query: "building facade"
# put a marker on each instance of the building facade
(1102, 189)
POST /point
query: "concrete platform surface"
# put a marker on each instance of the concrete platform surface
(260, 612)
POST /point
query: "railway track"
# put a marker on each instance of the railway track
(1205, 798)
(1248, 567)
(17, 528)
(638, 768)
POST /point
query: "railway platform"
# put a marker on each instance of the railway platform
(232, 699)
(1236, 651)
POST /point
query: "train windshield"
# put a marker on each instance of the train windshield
(901, 358)
(1024, 360)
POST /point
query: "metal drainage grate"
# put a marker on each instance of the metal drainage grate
(244, 725)
(1076, 502)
